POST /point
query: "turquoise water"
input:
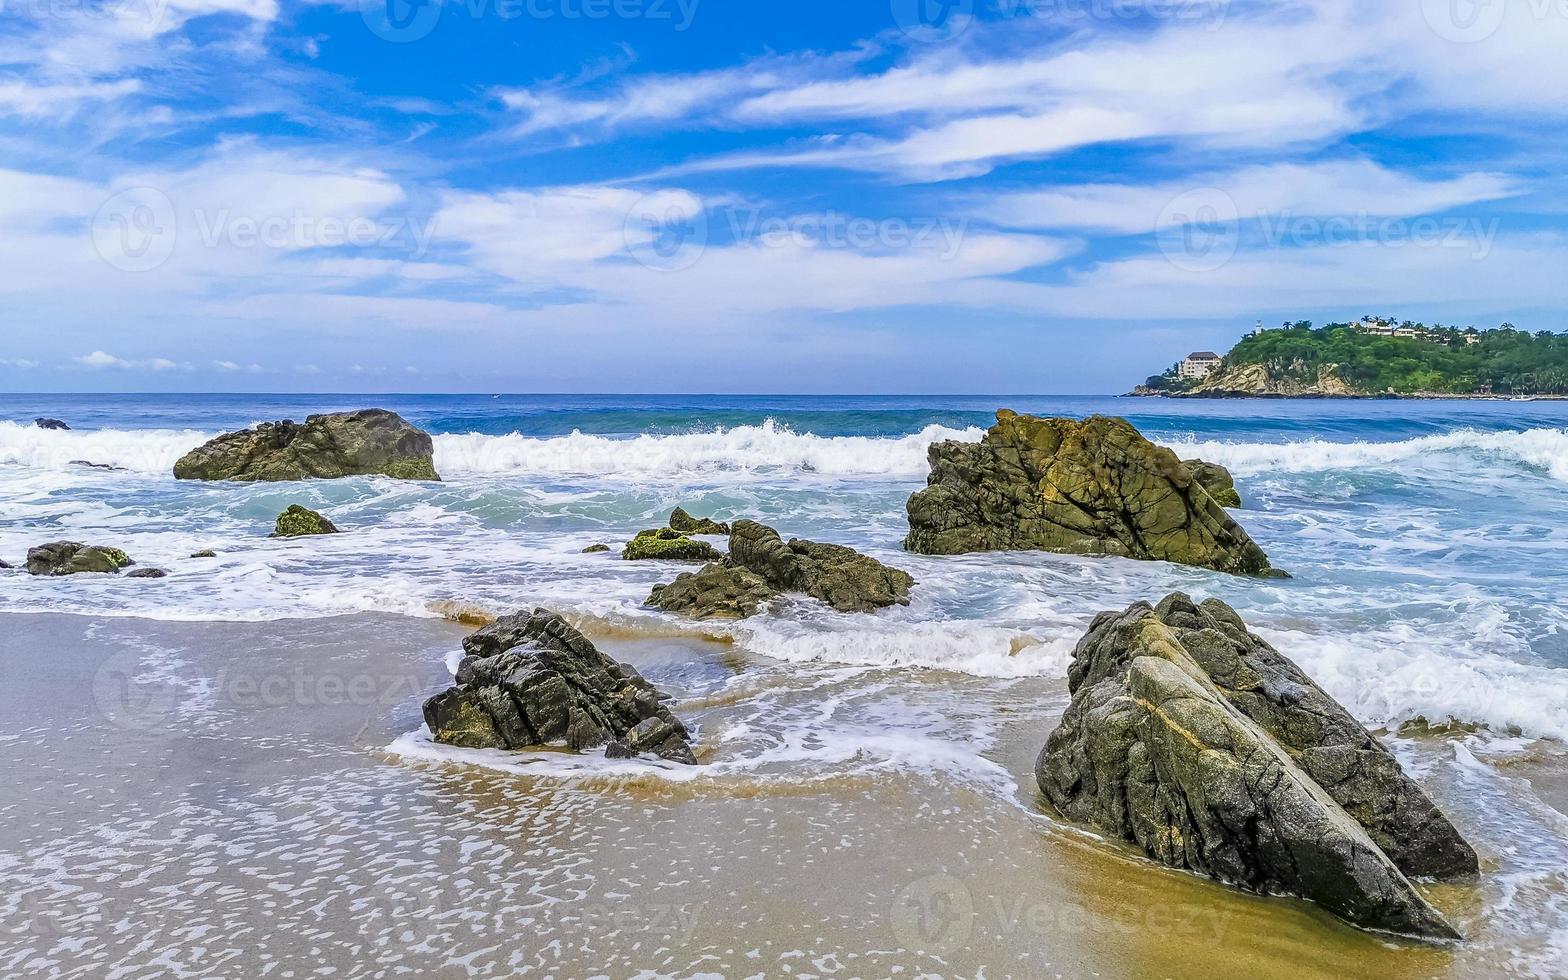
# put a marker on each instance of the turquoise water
(1425, 537)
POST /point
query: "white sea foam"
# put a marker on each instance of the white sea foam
(1544, 449)
(769, 447)
(139, 450)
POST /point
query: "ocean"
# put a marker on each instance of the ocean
(879, 753)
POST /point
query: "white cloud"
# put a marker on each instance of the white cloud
(99, 360)
(1346, 187)
(20, 364)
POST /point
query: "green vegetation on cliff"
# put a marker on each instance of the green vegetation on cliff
(1437, 360)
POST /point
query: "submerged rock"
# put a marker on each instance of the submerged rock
(533, 680)
(147, 573)
(1216, 479)
(596, 549)
(667, 544)
(47, 423)
(73, 558)
(372, 442)
(97, 466)
(298, 522)
(1091, 487)
(721, 590)
(1200, 743)
(841, 577)
(687, 524)
(208, 553)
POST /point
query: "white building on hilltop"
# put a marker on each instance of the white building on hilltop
(1198, 365)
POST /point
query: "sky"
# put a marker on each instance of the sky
(880, 196)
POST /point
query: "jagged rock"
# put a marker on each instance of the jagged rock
(721, 590)
(1093, 487)
(1216, 479)
(687, 524)
(47, 423)
(842, 577)
(372, 442)
(1200, 743)
(667, 544)
(147, 573)
(7, 567)
(596, 549)
(73, 558)
(208, 553)
(298, 522)
(97, 466)
(533, 680)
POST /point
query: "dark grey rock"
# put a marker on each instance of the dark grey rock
(842, 577)
(687, 524)
(48, 423)
(720, 590)
(1204, 746)
(147, 573)
(97, 466)
(533, 679)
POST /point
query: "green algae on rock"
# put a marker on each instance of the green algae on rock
(667, 544)
(1090, 487)
(1217, 480)
(371, 442)
(683, 522)
(298, 522)
(74, 558)
(720, 590)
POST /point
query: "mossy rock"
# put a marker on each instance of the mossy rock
(208, 553)
(372, 442)
(666, 544)
(596, 549)
(73, 558)
(298, 522)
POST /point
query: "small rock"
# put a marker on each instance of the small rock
(721, 590)
(73, 558)
(665, 544)
(147, 573)
(97, 466)
(842, 577)
(1216, 479)
(209, 553)
(47, 423)
(596, 549)
(533, 680)
(687, 524)
(300, 521)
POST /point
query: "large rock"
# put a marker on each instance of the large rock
(1201, 744)
(299, 522)
(74, 558)
(687, 524)
(1092, 487)
(721, 590)
(1216, 479)
(842, 577)
(47, 423)
(372, 442)
(667, 544)
(533, 680)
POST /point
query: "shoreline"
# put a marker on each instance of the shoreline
(1312, 396)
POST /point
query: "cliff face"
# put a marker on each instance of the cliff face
(1258, 381)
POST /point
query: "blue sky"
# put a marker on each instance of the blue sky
(716, 195)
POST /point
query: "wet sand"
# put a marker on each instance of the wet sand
(218, 800)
